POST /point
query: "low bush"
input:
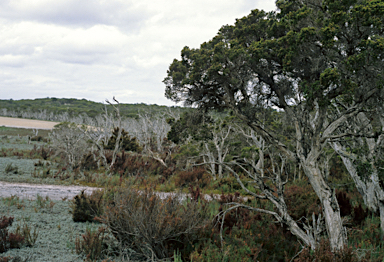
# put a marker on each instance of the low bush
(13, 200)
(86, 207)
(91, 244)
(194, 177)
(302, 201)
(8, 240)
(324, 253)
(13, 259)
(37, 138)
(40, 152)
(30, 235)
(153, 227)
(10, 168)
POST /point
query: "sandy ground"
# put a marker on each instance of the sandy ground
(26, 123)
(30, 191)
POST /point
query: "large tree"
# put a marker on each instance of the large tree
(301, 59)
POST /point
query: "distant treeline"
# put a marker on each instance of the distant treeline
(51, 108)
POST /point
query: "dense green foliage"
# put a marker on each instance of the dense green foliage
(74, 107)
(126, 142)
(321, 64)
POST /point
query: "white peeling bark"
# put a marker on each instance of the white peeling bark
(331, 211)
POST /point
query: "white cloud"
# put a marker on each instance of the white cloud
(96, 49)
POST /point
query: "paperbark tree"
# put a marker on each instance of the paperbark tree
(299, 60)
(252, 164)
(151, 132)
(363, 157)
(68, 139)
(216, 149)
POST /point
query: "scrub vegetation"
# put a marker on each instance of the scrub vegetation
(280, 157)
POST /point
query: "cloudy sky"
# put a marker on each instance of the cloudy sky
(97, 49)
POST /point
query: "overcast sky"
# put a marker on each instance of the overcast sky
(97, 49)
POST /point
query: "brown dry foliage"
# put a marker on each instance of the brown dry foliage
(152, 226)
(324, 253)
(91, 244)
(8, 240)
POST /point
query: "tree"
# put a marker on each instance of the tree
(362, 155)
(300, 60)
(69, 139)
(210, 133)
(151, 133)
(253, 164)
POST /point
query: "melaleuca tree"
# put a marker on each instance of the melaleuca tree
(363, 154)
(191, 125)
(212, 134)
(302, 59)
(69, 140)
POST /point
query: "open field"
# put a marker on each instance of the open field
(26, 123)
(35, 200)
(53, 222)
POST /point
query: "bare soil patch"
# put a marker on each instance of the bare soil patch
(26, 123)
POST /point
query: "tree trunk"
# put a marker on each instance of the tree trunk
(369, 188)
(329, 204)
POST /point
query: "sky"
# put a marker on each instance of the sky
(97, 49)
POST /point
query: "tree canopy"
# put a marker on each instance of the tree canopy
(319, 62)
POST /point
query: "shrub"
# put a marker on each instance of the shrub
(155, 227)
(126, 142)
(91, 243)
(40, 152)
(86, 207)
(10, 168)
(301, 201)
(240, 251)
(228, 184)
(12, 259)
(324, 253)
(29, 235)
(247, 236)
(195, 177)
(37, 138)
(8, 240)
(13, 200)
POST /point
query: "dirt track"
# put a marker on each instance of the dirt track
(26, 123)
(30, 191)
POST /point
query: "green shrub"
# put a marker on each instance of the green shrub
(126, 142)
(86, 207)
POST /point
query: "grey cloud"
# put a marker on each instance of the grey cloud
(95, 49)
(84, 13)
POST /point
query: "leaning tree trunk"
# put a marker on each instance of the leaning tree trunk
(329, 204)
(369, 188)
